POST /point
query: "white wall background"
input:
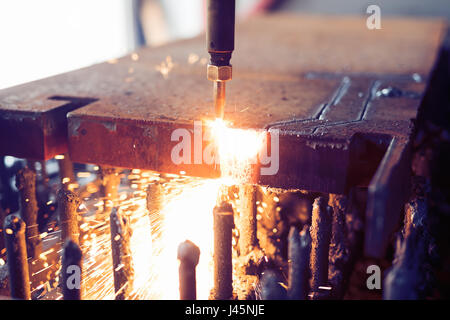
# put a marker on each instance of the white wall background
(40, 38)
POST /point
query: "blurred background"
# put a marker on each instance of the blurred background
(46, 37)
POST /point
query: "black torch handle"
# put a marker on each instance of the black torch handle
(220, 30)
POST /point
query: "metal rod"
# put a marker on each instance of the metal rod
(3, 216)
(223, 268)
(271, 288)
(247, 219)
(299, 248)
(407, 278)
(188, 254)
(219, 98)
(154, 206)
(71, 271)
(68, 203)
(26, 184)
(320, 236)
(66, 172)
(121, 254)
(19, 277)
(110, 182)
(339, 250)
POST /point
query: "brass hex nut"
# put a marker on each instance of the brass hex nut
(221, 73)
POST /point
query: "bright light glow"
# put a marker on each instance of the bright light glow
(237, 149)
(187, 214)
(47, 37)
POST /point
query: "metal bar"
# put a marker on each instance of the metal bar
(26, 184)
(388, 191)
(299, 249)
(339, 251)
(66, 172)
(110, 182)
(155, 196)
(188, 254)
(271, 288)
(16, 250)
(223, 267)
(71, 271)
(320, 236)
(247, 219)
(123, 269)
(68, 203)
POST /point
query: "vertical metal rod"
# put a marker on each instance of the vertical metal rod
(2, 230)
(299, 248)
(66, 172)
(339, 251)
(188, 254)
(26, 184)
(110, 182)
(247, 219)
(71, 271)
(219, 98)
(43, 191)
(320, 236)
(68, 203)
(123, 269)
(19, 277)
(154, 206)
(271, 288)
(223, 268)
(407, 278)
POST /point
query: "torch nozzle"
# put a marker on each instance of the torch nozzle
(219, 98)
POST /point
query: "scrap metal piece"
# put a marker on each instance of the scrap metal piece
(409, 276)
(71, 271)
(320, 236)
(247, 219)
(26, 184)
(299, 249)
(388, 191)
(110, 182)
(66, 173)
(188, 254)
(271, 288)
(68, 203)
(123, 269)
(223, 267)
(154, 199)
(16, 249)
(339, 254)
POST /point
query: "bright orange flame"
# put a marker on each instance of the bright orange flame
(237, 149)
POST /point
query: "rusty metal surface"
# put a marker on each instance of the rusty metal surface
(35, 128)
(340, 94)
(274, 56)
